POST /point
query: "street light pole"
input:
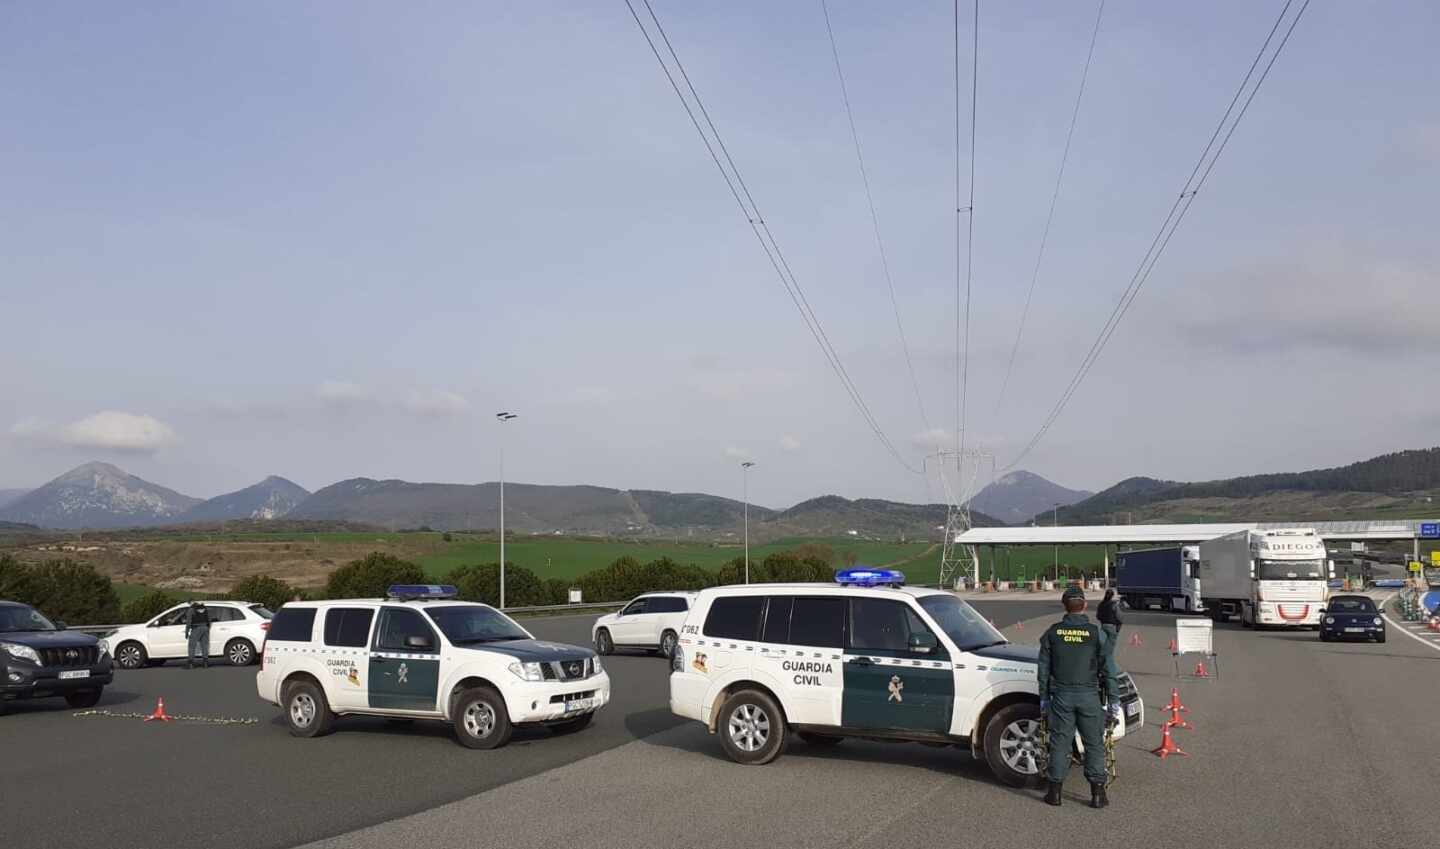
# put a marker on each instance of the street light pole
(502, 417)
(1057, 545)
(745, 477)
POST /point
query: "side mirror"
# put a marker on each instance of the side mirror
(1322, 610)
(418, 641)
(60, 626)
(923, 643)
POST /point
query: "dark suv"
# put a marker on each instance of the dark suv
(40, 658)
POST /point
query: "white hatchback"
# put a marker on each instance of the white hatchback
(237, 630)
(651, 621)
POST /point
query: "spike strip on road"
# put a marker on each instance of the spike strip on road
(177, 717)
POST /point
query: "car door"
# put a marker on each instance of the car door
(631, 626)
(346, 634)
(890, 686)
(404, 668)
(165, 635)
(223, 621)
(803, 638)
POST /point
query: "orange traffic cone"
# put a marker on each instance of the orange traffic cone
(1175, 706)
(159, 711)
(1172, 646)
(1200, 670)
(1135, 639)
(1167, 745)
(1177, 721)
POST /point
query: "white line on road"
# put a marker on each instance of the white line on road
(1405, 630)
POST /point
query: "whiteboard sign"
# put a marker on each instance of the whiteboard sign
(1194, 635)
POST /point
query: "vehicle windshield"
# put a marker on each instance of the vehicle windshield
(1350, 605)
(13, 619)
(967, 628)
(1290, 570)
(262, 611)
(465, 624)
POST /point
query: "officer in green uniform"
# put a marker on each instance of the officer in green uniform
(1075, 662)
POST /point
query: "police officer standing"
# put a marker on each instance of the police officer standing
(197, 632)
(1075, 662)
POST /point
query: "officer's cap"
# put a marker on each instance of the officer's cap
(1072, 592)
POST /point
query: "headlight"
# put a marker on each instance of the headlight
(527, 671)
(22, 652)
(1378, 620)
(1329, 620)
(595, 665)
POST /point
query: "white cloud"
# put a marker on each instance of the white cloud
(109, 430)
(341, 392)
(789, 443)
(437, 403)
(928, 439)
(737, 453)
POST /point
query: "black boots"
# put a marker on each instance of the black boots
(1098, 799)
(1052, 793)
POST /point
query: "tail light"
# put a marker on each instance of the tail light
(263, 643)
(264, 626)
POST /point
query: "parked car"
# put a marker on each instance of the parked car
(237, 630)
(39, 658)
(651, 621)
(1351, 617)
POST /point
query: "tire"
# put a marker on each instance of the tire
(751, 728)
(571, 726)
(306, 710)
(240, 652)
(603, 643)
(821, 740)
(1324, 637)
(131, 655)
(668, 641)
(1011, 746)
(480, 718)
(1380, 639)
(84, 698)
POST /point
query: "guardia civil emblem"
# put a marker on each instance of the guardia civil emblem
(896, 685)
(402, 672)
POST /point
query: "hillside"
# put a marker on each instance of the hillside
(97, 495)
(1019, 495)
(9, 495)
(271, 498)
(832, 515)
(1391, 484)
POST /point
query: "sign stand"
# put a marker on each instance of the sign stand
(1196, 636)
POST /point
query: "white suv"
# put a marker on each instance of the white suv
(420, 654)
(651, 621)
(860, 659)
(237, 630)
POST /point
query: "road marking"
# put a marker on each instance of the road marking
(1404, 629)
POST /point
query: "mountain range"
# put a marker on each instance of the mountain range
(1019, 495)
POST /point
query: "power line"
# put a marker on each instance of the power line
(735, 182)
(875, 221)
(1054, 198)
(1203, 166)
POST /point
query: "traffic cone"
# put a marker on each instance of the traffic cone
(1175, 706)
(159, 711)
(1200, 670)
(1167, 745)
(1177, 721)
(1135, 639)
(1172, 645)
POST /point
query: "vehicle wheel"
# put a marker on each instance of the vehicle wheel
(825, 740)
(1013, 746)
(481, 720)
(573, 725)
(130, 655)
(1324, 637)
(667, 644)
(752, 728)
(1380, 639)
(240, 652)
(603, 643)
(83, 698)
(306, 710)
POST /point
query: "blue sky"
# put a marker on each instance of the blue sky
(332, 239)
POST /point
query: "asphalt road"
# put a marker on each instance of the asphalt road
(74, 781)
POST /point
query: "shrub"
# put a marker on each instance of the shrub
(63, 590)
(147, 606)
(481, 582)
(263, 589)
(372, 577)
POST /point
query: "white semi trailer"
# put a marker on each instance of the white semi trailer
(1266, 578)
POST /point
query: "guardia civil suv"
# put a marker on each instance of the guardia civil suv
(421, 654)
(862, 657)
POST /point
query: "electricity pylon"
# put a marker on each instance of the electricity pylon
(959, 560)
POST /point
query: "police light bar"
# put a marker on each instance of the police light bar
(870, 577)
(422, 591)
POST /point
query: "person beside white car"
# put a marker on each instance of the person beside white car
(650, 621)
(237, 630)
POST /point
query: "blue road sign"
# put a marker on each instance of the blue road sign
(1430, 530)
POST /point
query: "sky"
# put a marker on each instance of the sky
(332, 239)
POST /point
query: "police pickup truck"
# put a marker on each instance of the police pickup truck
(862, 657)
(420, 654)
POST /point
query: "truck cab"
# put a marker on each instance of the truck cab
(1277, 577)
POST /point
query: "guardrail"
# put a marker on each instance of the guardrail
(538, 609)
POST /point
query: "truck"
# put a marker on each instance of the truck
(1277, 577)
(1163, 576)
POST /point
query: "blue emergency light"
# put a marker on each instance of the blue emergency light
(866, 577)
(420, 592)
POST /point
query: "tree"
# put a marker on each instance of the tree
(481, 582)
(815, 551)
(372, 577)
(72, 592)
(263, 589)
(147, 606)
(16, 581)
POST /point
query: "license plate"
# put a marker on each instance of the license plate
(579, 705)
(1132, 709)
(74, 673)
(1354, 630)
